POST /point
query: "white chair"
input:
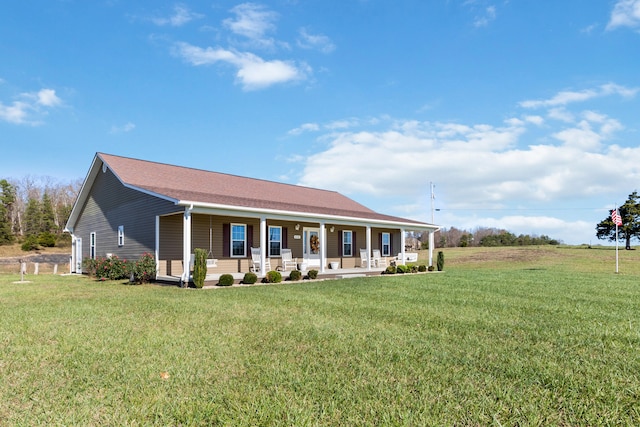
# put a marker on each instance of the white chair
(378, 260)
(288, 260)
(365, 259)
(255, 261)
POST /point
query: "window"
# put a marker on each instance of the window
(238, 240)
(347, 243)
(386, 244)
(92, 245)
(275, 240)
(121, 235)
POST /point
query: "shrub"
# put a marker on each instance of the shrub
(226, 280)
(390, 270)
(430, 268)
(199, 267)
(401, 269)
(295, 275)
(89, 266)
(249, 278)
(440, 261)
(46, 239)
(112, 268)
(414, 268)
(312, 274)
(422, 268)
(30, 243)
(273, 277)
(144, 269)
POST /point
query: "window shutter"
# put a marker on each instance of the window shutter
(354, 246)
(390, 244)
(285, 238)
(249, 239)
(380, 241)
(340, 245)
(226, 240)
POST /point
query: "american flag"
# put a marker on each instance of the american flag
(615, 217)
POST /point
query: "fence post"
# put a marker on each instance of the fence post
(55, 269)
(36, 267)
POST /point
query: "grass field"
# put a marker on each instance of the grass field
(521, 336)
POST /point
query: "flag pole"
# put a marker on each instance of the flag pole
(615, 209)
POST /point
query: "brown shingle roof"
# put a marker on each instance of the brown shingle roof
(200, 186)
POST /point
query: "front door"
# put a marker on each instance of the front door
(312, 246)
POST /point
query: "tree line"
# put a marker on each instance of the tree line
(481, 236)
(34, 211)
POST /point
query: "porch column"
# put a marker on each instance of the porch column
(368, 247)
(186, 245)
(431, 244)
(157, 249)
(263, 245)
(323, 246)
(402, 244)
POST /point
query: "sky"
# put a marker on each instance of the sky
(523, 114)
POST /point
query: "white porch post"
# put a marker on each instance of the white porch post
(186, 245)
(431, 244)
(323, 246)
(157, 249)
(368, 247)
(263, 245)
(402, 245)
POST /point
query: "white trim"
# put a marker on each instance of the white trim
(120, 235)
(382, 252)
(268, 243)
(350, 243)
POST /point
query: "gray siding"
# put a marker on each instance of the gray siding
(110, 205)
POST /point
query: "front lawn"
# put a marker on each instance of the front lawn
(520, 343)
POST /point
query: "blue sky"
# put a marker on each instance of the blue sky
(525, 115)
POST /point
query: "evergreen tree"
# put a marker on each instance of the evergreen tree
(32, 224)
(47, 222)
(7, 202)
(630, 228)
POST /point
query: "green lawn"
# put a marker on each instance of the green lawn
(503, 337)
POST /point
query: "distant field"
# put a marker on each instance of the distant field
(505, 336)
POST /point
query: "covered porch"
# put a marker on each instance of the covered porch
(331, 245)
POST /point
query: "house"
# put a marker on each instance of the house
(127, 207)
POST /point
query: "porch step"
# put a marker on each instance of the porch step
(350, 276)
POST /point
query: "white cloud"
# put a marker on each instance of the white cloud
(252, 21)
(28, 109)
(253, 72)
(625, 13)
(567, 97)
(488, 15)
(128, 127)
(315, 41)
(306, 127)
(181, 16)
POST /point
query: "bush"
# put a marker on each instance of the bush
(112, 268)
(401, 269)
(89, 266)
(295, 275)
(199, 267)
(273, 277)
(63, 240)
(144, 269)
(440, 261)
(249, 278)
(431, 268)
(30, 243)
(46, 239)
(422, 268)
(390, 270)
(312, 274)
(414, 268)
(226, 280)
